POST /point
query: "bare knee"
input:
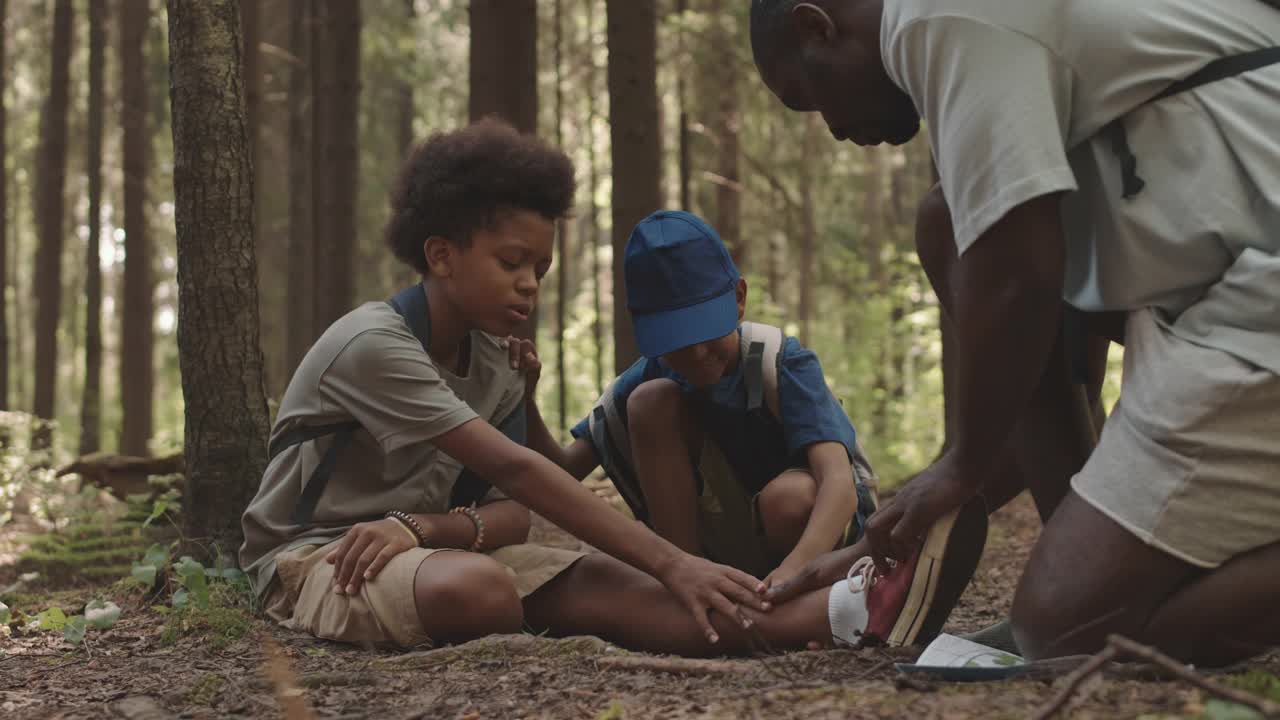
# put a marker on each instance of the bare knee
(461, 596)
(785, 505)
(654, 407)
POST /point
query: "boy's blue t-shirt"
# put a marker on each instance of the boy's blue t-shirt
(757, 446)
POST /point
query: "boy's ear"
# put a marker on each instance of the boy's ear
(439, 254)
(741, 293)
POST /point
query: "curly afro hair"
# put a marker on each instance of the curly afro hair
(458, 182)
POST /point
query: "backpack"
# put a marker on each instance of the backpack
(468, 489)
(760, 350)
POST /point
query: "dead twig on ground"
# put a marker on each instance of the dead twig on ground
(1119, 646)
(671, 665)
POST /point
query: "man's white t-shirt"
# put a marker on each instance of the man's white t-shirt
(1015, 94)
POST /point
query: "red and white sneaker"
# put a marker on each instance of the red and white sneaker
(909, 604)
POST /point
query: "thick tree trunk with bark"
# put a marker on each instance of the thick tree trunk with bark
(636, 145)
(271, 185)
(137, 374)
(301, 279)
(91, 399)
(221, 363)
(51, 170)
(593, 210)
(727, 121)
(335, 54)
(504, 73)
(4, 214)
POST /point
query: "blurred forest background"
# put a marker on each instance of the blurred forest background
(657, 102)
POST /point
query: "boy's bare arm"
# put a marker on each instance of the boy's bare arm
(506, 522)
(836, 502)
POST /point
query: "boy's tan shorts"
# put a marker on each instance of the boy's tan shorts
(729, 524)
(384, 611)
(1189, 460)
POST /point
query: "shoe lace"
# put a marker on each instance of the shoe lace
(866, 569)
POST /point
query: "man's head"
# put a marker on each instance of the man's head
(475, 210)
(685, 295)
(824, 56)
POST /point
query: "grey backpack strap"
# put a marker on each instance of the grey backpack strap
(761, 347)
(768, 340)
(612, 442)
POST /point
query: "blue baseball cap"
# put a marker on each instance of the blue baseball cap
(680, 283)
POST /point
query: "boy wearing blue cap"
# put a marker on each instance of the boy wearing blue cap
(724, 437)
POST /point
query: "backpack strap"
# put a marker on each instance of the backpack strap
(761, 347)
(1219, 69)
(612, 442)
(762, 350)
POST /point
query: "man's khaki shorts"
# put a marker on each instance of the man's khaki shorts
(383, 612)
(1189, 460)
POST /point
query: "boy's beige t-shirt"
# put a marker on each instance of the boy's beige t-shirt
(1015, 96)
(369, 367)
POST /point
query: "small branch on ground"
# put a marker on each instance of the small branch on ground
(1119, 646)
(672, 665)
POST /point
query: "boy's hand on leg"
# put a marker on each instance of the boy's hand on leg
(364, 551)
(703, 586)
(821, 572)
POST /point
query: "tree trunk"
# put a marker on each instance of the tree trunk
(301, 280)
(593, 210)
(685, 162)
(91, 401)
(562, 234)
(51, 173)
(4, 214)
(137, 375)
(218, 352)
(808, 226)
(272, 189)
(404, 133)
(504, 73)
(727, 121)
(636, 149)
(335, 54)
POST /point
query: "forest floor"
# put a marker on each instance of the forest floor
(155, 664)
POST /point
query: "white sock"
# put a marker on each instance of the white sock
(847, 611)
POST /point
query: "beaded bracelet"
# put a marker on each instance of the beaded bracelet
(475, 519)
(407, 520)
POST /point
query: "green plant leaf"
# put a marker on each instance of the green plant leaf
(52, 619)
(73, 632)
(102, 614)
(144, 574)
(5, 615)
(157, 509)
(156, 555)
(179, 599)
(191, 575)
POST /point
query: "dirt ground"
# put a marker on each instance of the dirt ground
(129, 671)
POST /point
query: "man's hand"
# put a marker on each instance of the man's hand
(364, 551)
(896, 529)
(822, 572)
(703, 586)
(524, 356)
